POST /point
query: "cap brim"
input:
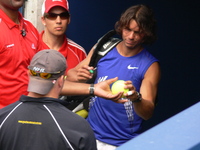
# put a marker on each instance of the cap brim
(39, 85)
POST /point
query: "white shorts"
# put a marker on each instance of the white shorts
(104, 146)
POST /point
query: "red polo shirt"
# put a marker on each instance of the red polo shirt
(16, 51)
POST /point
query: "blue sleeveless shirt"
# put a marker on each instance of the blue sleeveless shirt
(111, 122)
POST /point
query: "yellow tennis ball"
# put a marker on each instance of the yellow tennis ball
(83, 113)
(118, 86)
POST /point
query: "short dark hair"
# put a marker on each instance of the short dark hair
(144, 17)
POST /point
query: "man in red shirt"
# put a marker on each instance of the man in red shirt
(55, 18)
(18, 43)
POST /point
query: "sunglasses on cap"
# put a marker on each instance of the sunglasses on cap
(43, 75)
(53, 16)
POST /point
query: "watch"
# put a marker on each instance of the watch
(91, 89)
(139, 98)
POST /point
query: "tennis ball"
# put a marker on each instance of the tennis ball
(83, 113)
(118, 86)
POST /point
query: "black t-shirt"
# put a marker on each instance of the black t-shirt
(43, 124)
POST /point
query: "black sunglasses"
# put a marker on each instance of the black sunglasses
(53, 16)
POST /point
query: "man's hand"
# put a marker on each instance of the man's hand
(102, 89)
(84, 74)
(132, 94)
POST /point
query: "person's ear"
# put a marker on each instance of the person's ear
(61, 81)
(69, 20)
(43, 21)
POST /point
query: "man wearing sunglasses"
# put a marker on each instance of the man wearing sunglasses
(55, 18)
(40, 121)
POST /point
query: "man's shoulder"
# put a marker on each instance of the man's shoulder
(7, 109)
(148, 56)
(29, 23)
(73, 44)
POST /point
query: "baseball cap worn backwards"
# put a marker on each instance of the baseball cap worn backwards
(48, 4)
(45, 68)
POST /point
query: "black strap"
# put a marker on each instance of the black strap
(104, 45)
(100, 47)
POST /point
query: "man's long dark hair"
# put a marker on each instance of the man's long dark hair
(144, 17)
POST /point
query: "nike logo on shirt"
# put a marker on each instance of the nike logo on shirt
(129, 67)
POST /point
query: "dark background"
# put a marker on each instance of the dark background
(177, 46)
